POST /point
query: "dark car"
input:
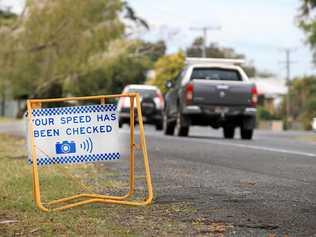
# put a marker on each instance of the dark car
(211, 92)
(152, 105)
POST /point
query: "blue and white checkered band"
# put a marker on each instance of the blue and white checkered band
(74, 110)
(77, 159)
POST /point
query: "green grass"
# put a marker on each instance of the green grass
(308, 138)
(16, 202)
(6, 119)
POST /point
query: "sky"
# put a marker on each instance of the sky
(259, 29)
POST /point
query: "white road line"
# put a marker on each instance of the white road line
(265, 148)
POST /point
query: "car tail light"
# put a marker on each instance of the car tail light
(124, 102)
(159, 100)
(254, 96)
(189, 93)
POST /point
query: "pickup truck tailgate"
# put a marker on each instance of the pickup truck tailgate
(207, 92)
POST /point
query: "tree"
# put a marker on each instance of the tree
(215, 51)
(59, 45)
(303, 107)
(55, 49)
(7, 22)
(153, 51)
(306, 7)
(110, 71)
(307, 22)
(7, 17)
(58, 40)
(167, 68)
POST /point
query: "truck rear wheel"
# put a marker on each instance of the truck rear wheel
(246, 134)
(159, 125)
(183, 131)
(229, 132)
(182, 126)
(168, 126)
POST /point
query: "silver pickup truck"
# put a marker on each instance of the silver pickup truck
(211, 92)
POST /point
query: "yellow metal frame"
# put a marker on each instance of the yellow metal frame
(86, 198)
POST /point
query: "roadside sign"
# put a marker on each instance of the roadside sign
(79, 134)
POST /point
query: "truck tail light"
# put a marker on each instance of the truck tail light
(189, 93)
(254, 96)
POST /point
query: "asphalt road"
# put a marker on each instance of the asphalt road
(267, 185)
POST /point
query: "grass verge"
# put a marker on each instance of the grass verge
(19, 217)
(307, 138)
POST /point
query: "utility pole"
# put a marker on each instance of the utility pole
(204, 30)
(288, 62)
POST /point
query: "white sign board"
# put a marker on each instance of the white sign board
(77, 134)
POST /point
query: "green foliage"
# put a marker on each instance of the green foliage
(309, 113)
(215, 51)
(110, 75)
(61, 46)
(7, 17)
(7, 22)
(311, 106)
(212, 50)
(153, 51)
(110, 71)
(306, 7)
(126, 70)
(17, 198)
(167, 68)
(57, 49)
(264, 114)
(303, 100)
(307, 22)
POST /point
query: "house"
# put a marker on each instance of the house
(270, 91)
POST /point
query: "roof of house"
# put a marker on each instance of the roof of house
(270, 87)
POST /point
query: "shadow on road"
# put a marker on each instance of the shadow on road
(219, 138)
(207, 137)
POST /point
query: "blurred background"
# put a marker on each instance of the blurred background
(204, 184)
(56, 49)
